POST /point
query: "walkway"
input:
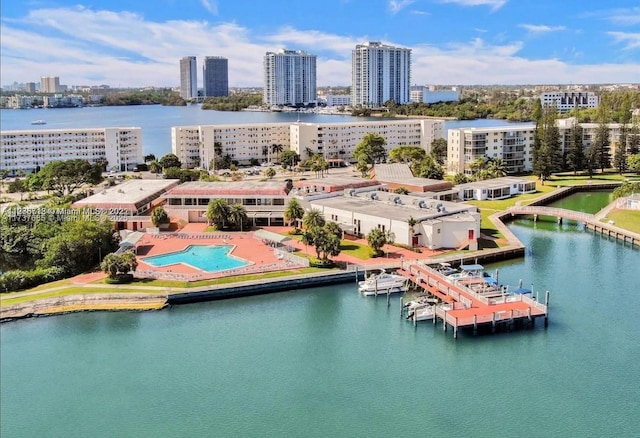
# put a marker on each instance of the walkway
(561, 213)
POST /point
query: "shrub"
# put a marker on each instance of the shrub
(17, 279)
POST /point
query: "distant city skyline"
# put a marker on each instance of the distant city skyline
(452, 42)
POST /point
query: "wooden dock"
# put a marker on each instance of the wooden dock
(466, 307)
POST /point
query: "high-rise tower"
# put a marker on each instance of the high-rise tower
(188, 78)
(289, 78)
(215, 76)
(380, 73)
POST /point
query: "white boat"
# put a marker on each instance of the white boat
(383, 283)
(39, 122)
(473, 271)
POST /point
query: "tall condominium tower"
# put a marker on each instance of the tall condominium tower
(289, 78)
(380, 73)
(215, 76)
(188, 78)
(50, 84)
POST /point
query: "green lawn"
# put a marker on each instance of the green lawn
(627, 219)
(569, 179)
(362, 252)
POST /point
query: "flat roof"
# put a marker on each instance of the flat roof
(336, 183)
(386, 207)
(130, 194)
(229, 188)
(400, 173)
(495, 182)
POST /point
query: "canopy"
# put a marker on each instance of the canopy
(131, 240)
(270, 236)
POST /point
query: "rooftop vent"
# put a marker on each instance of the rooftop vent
(397, 200)
(422, 204)
(374, 196)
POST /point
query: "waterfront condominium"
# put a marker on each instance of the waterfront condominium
(30, 150)
(50, 84)
(188, 78)
(195, 145)
(380, 73)
(215, 76)
(289, 78)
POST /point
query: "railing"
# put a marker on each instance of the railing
(552, 211)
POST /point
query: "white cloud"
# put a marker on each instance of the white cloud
(541, 28)
(210, 5)
(630, 40)
(494, 4)
(396, 6)
(85, 47)
(620, 16)
(417, 12)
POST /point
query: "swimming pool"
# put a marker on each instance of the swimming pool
(209, 258)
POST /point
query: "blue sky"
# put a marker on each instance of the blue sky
(453, 42)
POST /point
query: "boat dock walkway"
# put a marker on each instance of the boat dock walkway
(466, 307)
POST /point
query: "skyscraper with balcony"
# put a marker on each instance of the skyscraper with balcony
(215, 76)
(380, 73)
(289, 78)
(188, 78)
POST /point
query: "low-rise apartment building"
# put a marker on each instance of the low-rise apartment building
(30, 150)
(566, 101)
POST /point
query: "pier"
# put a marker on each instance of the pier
(467, 304)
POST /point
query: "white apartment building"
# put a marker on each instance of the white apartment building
(420, 94)
(188, 78)
(566, 101)
(289, 78)
(338, 140)
(512, 144)
(196, 145)
(380, 73)
(338, 99)
(30, 150)
(19, 102)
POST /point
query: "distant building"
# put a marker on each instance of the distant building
(566, 101)
(50, 84)
(188, 78)
(289, 78)
(19, 102)
(380, 73)
(215, 76)
(338, 99)
(30, 87)
(421, 94)
(60, 101)
(30, 150)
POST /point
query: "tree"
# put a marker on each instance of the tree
(289, 159)
(155, 167)
(406, 154)
(277, 148)
(547, 157)
(633, 143)
(633, 163)
(439, 150)
(496, 168)
(116, 265)
(626, 189)
(237, 215)
(333, 228)
(218, 212)
(149, 158)
(460, 178)
(412, 222)
(601, 142)
(401, 191)
(371, 150)
(313, 218)
(377, 239)
(159, 217)
(575, 159)
(170, 160)
(428, 167)
(270, 172)
(325, 239)
(64, 177)
(294, 212)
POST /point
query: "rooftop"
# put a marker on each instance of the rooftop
(494, 183)
(131, 194)
(231, 188)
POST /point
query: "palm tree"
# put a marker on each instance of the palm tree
(294, 212)
(218, 212)
(497, 168)
(155, 167)
(312, 219)
(237, 215)
(277, 148)
(412, 222)
(333, 228)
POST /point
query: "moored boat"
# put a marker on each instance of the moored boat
(383, 282)
(38, 122)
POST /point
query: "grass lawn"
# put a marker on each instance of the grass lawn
(569, 179)
(627, 219)
(348, 247)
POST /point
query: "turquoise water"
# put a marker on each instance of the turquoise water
(329, 362)
(209, 258)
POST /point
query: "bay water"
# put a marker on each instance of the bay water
(329, 362)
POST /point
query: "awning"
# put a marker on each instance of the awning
(270, 236)
(131, 240)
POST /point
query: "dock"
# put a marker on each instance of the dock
(467, 304)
